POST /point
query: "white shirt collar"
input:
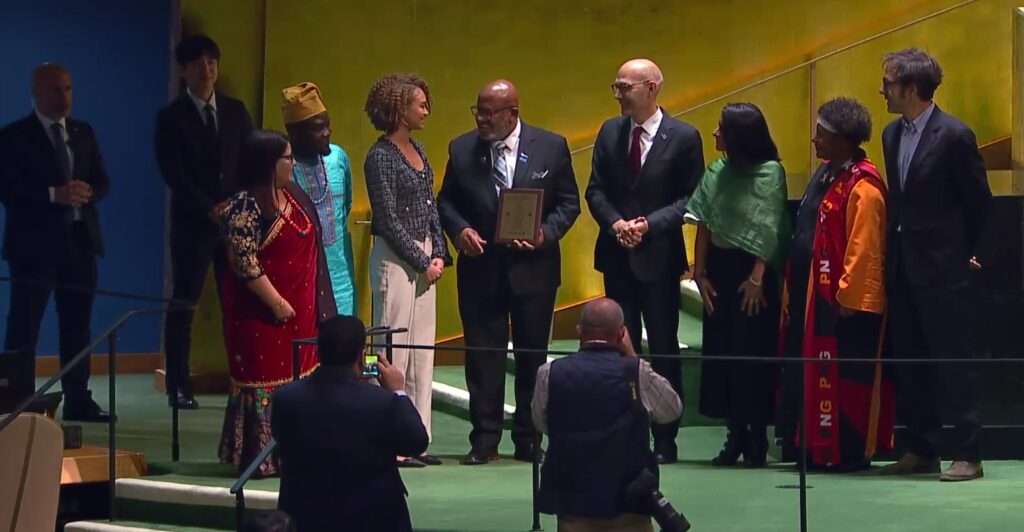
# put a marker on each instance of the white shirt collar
(512, 140)
(49, 122)
(200, 103)
(651, 125)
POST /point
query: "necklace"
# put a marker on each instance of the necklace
(303, 231)
(315, 184)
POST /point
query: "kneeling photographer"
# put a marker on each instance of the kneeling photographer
(596, 407)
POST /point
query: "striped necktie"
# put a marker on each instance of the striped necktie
(500, 171)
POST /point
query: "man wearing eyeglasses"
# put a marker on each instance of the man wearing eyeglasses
(514, 281)
(645, 166)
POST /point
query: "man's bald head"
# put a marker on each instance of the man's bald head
(497, 110)
(641, 69)
(51, 89)
(636, 87)
(601, 319)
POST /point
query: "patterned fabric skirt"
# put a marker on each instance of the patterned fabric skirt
(247, 429)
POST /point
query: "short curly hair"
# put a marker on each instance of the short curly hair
(849, 117)
(389, 96)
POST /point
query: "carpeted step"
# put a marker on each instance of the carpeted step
(132, 526)
(185, 505)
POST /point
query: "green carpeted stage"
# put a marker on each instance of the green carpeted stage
(497, 497)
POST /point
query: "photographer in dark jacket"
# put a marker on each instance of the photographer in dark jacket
(338, 437)
(596, 407)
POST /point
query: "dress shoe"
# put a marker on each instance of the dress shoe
(911, 464)
(479, 458)
(666, 454)
(755, 453)
(665, 458)
(525, 454)
(735, 441)
(185, 401)
(961, 470)
(410, 462)
(429, 459)
(85, 410)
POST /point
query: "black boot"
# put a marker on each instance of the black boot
(735, 442)
(755, 454)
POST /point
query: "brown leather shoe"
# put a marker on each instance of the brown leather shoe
(961, 470)
(911, 464)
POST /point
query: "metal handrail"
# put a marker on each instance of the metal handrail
(110, 335)
(810, 62)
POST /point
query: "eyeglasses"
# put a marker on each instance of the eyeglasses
(488, 113)
(886, 82)
(621, 87)
(290, 157)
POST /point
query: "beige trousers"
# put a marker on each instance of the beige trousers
(402, 298)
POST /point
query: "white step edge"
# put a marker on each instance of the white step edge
(190, 494)
(95, 526)
(459, 397)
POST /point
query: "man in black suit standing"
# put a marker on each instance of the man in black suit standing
(499, 283)
(198, 136)
(645, 166)
(52, 177)
(938, 201)
(338, 438)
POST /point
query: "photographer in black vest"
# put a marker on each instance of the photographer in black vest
(596, 407)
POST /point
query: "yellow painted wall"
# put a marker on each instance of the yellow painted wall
(563, 54)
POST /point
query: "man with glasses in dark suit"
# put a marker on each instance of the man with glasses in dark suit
(511, 283)
(645, 166)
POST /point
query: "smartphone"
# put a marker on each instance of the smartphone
(370, 367)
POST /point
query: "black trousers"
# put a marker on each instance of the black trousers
(72, 280)
(656, 303)
(935, 322)
(192, 252)
(486, 315)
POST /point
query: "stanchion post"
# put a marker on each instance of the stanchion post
(111, 424)
(538, 439)
(803, 453)
(175, 441)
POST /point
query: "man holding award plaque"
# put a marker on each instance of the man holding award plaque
(509, 195)
(645, 166)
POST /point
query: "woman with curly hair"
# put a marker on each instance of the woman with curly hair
(409, 250)
(277, 289)
(837, 300)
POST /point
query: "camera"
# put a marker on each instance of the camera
(646, 496)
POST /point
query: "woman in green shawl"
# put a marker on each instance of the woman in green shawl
(742, 229)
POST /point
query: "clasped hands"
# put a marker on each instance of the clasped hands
(629, 233)
(75, 194)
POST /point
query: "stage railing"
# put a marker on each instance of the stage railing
(110, 336)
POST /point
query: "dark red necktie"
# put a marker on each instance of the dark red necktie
(634, 153)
